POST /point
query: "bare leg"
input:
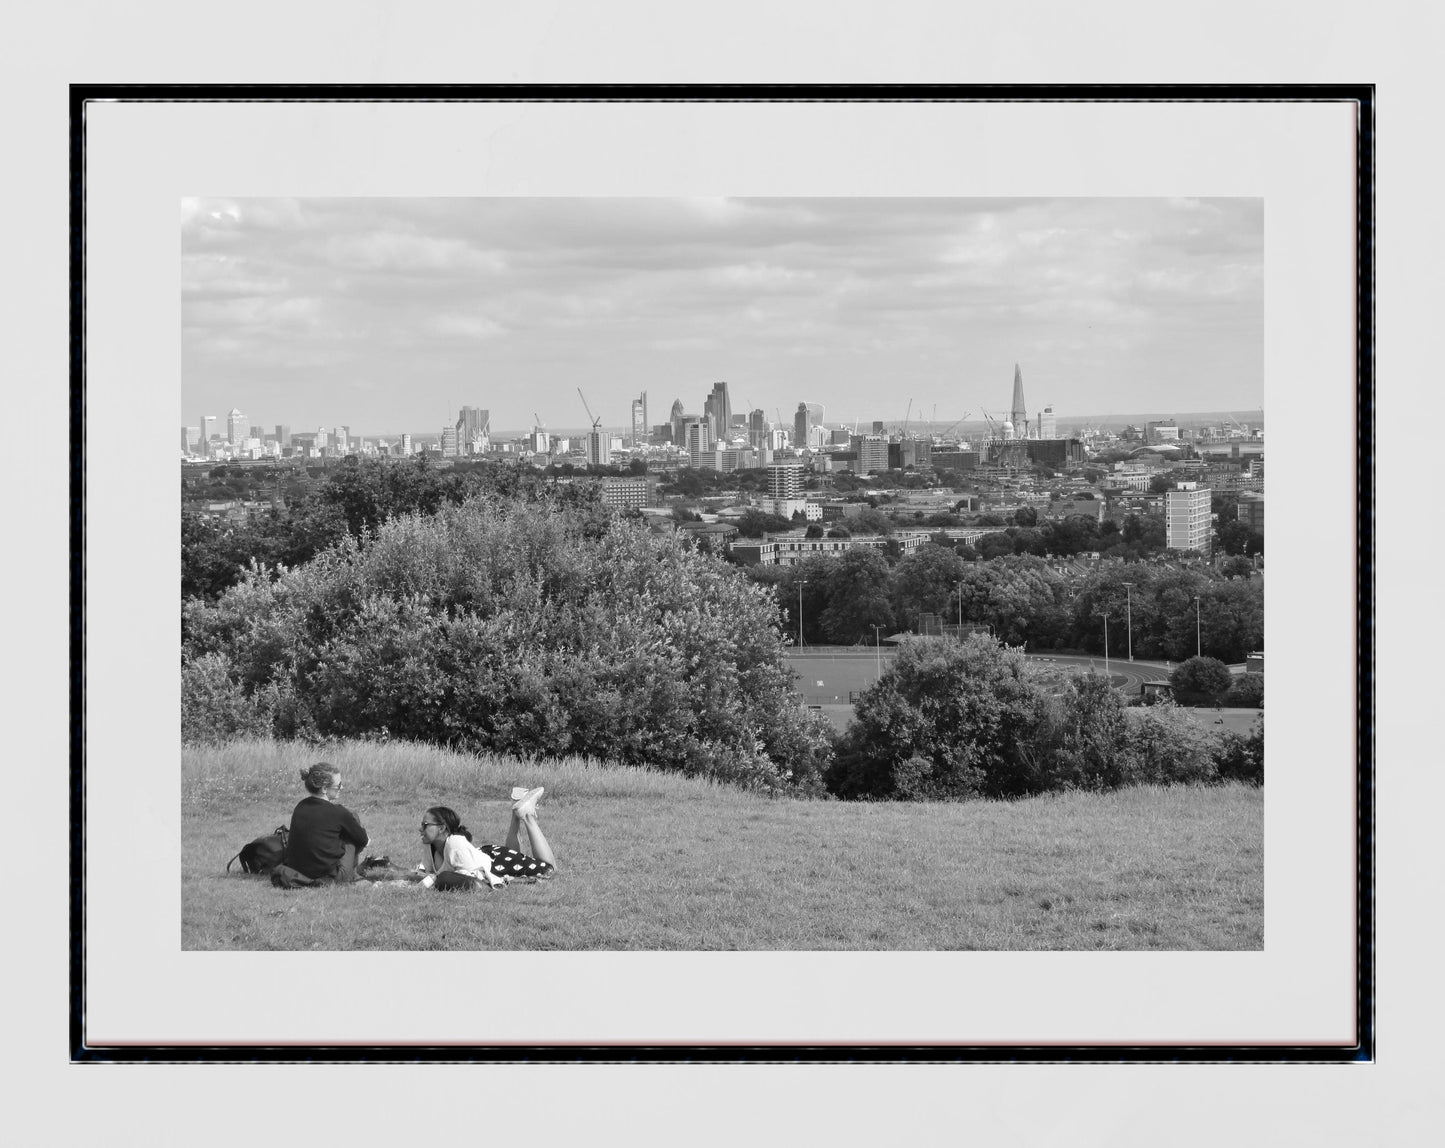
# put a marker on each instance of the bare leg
(514, 839)
(539, 848)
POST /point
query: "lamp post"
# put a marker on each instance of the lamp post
(1107, 675)
(959, 584)
(1198, 631)
(1129, 615)
(877, 648)
(801, 583)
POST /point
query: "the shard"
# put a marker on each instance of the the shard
(1017, 413)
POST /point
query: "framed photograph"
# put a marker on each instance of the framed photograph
(1181, 256)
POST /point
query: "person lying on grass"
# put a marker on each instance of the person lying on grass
(325, 835)
(456, 863)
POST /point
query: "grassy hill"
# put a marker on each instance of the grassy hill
(655, 861)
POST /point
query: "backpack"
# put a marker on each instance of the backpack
(263, 854)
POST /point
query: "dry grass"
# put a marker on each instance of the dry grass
(654, 861)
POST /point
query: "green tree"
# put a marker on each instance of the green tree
(924, 583)
(858, 585)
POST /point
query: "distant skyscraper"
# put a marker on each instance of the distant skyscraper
(1186, 517)
(757, 429)
(599, 447)
(1048, 425)
(190, 439)
(283, 435)
(675, 418)
(238, 427)
(1017, 414)
(449, 442)
(696, 438)
(800, 426)
(406, 444)
(208, 431)
(639, 420)
(719, 407)
(474, 429)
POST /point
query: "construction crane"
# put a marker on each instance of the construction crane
(537, 419)
(906, 417)
(956, 422)
(595, 422)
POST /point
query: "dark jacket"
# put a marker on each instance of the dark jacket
(320, 832)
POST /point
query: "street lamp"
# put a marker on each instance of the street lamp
(1129, 615)
(877, 648)
(959, 584)
(1107, 675)
(801, 583)
(1198, 632)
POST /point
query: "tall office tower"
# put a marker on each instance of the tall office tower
(1017, 414)
(801, 422)
(696, 438)
(785, 480)
(283, 435)
(1048, 425)
(675, 418)
(191, 439)
(1186, 517)
(238, 427)
(449, 442)
(474, 428)
(341, 439)
(208, 431)
(757, 429)
(406, 444)
(599, 447)
(721, 409)
(639, 420)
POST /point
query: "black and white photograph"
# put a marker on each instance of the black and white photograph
(730, 610)
(843, 573)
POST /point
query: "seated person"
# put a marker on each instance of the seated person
(325, 835)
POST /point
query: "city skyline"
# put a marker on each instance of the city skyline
(392, 315)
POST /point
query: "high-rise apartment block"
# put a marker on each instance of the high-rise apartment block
(785, 480)
(697, 440)
(449, 442)
(599, 447)
(1186, 517)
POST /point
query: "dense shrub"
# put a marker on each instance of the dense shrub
(1242, 758)
(1246, 691)
(1200, 680)
(949, 721)
(946, 720)
(513, 628)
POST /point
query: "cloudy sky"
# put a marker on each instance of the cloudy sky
(390, 314)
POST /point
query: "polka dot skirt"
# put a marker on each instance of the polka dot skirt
(510, 863)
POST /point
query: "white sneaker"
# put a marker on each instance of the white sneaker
(519, 792)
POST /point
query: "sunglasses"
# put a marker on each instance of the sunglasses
(425, 825)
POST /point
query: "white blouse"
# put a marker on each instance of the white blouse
(460, 856)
